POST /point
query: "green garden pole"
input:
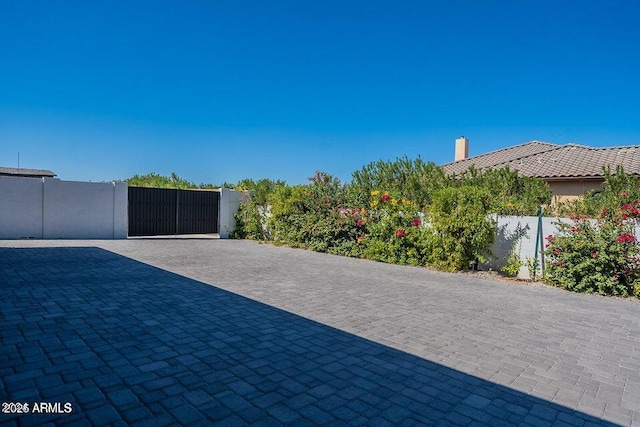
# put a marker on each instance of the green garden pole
(535, 262)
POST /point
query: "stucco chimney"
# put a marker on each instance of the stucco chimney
(462, 148)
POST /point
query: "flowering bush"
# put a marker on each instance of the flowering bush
(322, 216)
(599, 255)
(312, 217)
(394, 231)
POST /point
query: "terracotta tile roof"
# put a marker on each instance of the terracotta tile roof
(546, 160)
(37, 173)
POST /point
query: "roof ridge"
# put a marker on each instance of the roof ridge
(617, 147)
(558, 147)
(590, 147)
(553, 147)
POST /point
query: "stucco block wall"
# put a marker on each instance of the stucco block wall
(53, 209)
(521, 231)
(229, 205)
(121, 210)
(20, 208)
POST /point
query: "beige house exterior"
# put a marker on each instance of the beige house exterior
(570, 170)
(565, 190)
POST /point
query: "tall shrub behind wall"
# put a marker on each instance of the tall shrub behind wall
(461, 228)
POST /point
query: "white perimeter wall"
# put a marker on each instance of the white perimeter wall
(53, 209)
(521, 231)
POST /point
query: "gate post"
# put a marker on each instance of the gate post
(229, 204)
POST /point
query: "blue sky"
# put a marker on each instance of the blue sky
(223, 90)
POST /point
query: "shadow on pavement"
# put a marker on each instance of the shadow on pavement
(125, 342)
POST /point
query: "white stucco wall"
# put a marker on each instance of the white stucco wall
(53, 209)
(20, 208)
(526, 227)
(229, 204)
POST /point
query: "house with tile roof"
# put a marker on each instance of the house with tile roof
(570, 170)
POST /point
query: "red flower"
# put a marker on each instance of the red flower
(359, 223)
(385, 197)
(417, 222)
(399, 232)
(626, 238)
(605, 212)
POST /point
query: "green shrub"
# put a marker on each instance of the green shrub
(154, 180)
(511, 194)
(251, 217)
(512, 267)
(461, 228)
(250, 221)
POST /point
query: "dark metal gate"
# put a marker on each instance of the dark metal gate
(160, 211)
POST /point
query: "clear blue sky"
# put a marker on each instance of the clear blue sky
(223, 90)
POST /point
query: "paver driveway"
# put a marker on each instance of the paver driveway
(197, 332)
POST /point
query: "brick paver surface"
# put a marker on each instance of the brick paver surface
(199, 332)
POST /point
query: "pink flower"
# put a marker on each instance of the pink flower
(594, 255)
(399, 232)
(359, 223)
(417, 223)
